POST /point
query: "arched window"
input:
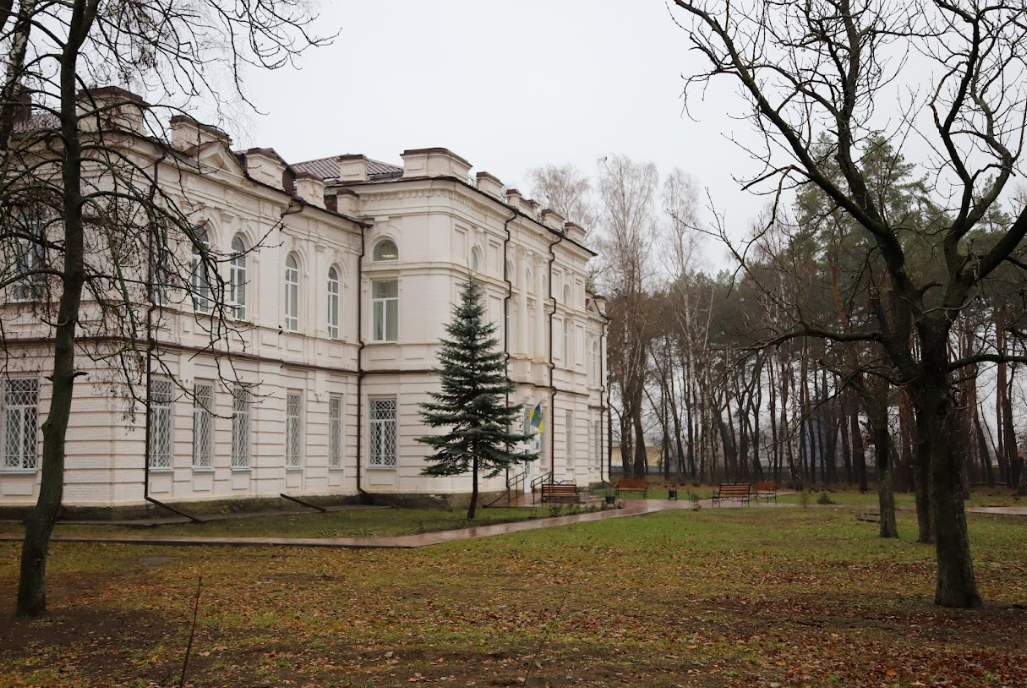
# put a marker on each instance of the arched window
(333, 303)
(292, 294)
(567, 296)
(200, 282)
(237, 278)
(475, 259)
(384, 250)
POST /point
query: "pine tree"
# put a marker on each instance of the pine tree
(472, 402)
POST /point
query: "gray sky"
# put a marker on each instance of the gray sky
(508, 86)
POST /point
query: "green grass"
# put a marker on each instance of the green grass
(707, 599)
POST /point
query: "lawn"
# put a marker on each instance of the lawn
(760, 598)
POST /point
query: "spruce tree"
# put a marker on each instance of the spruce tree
(472, 402)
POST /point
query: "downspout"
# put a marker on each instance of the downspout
(360, 357)
(507, 316)
(552, 365)
(603, 406)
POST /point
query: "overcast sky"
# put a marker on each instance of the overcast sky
(508, 86)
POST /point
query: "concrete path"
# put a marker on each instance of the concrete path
(634, 507)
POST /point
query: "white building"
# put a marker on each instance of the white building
(339, 314)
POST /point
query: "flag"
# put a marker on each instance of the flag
(536, 418)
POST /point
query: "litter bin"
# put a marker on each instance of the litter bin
(672, 494)
(611, 499)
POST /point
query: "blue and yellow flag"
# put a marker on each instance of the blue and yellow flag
(536, 419)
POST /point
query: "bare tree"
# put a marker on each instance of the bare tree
(93, 240)
(826, 68)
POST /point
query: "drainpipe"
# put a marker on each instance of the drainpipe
(552, 365)
(603, 406)
(507, 315)
(360, 357)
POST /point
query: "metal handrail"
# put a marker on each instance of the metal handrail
(539, 481)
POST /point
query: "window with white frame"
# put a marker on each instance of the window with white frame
(335, 431)
(333, 303)
(200, 281)
(475, 259)
(160, 423)
(382, 429)
(507, 322)
(20, 423)
(566, 334)
(237, 278)
(160, 266)
(385, 310)
(203, 424)
(567, 296)
(241, 400)
(385, 250)
(30, 223)
(595, 362)
(293, 429)
(597, 444)
(292, 294)
(569, 438)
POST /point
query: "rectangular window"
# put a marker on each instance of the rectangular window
(333, 304)
(566, 343)
(20, 422)
(382, 427)
(385, 309)
(29, 254)
(160, 424)
(335, 431)
(293, 430)
(597, 438)
(241, 400)
(203, 424)
(569, 439)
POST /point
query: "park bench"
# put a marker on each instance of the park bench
(633, 485)
(552, 492)
(740, 491)
(766, 489)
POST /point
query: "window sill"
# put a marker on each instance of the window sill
(294, 468)
(381, 468)
(203, 469)
(11, 470)
(242, 469)
(161, 469)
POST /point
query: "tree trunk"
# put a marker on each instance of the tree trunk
(39, 525)
(877, 415)
(956, 585)
(474, 489)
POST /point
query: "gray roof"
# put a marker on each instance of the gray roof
(328, 168)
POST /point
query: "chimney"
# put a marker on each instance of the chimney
(352, 168)
(489, 185)
(574, 231)
(265, 166)
(435, 162)
(310, 188)
(111, 108)
(347, 203)
(552, 219)
(188, 134)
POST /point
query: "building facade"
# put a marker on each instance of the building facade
(340, 275)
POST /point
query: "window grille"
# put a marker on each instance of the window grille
(293, 408)
(241, 399)
(333, 303)
(292, 294)
(569, 439)
(237, 279)
(383, 432)
(335, 431)
(203, 421)
(20, 422)
(160, 424)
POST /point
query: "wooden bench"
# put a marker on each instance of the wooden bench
(633, 485)
(740, 491)
(559, 492)
(766, 489)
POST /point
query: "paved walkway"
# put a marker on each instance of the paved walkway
(634, 507)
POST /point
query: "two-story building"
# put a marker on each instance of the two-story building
(340, 274)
